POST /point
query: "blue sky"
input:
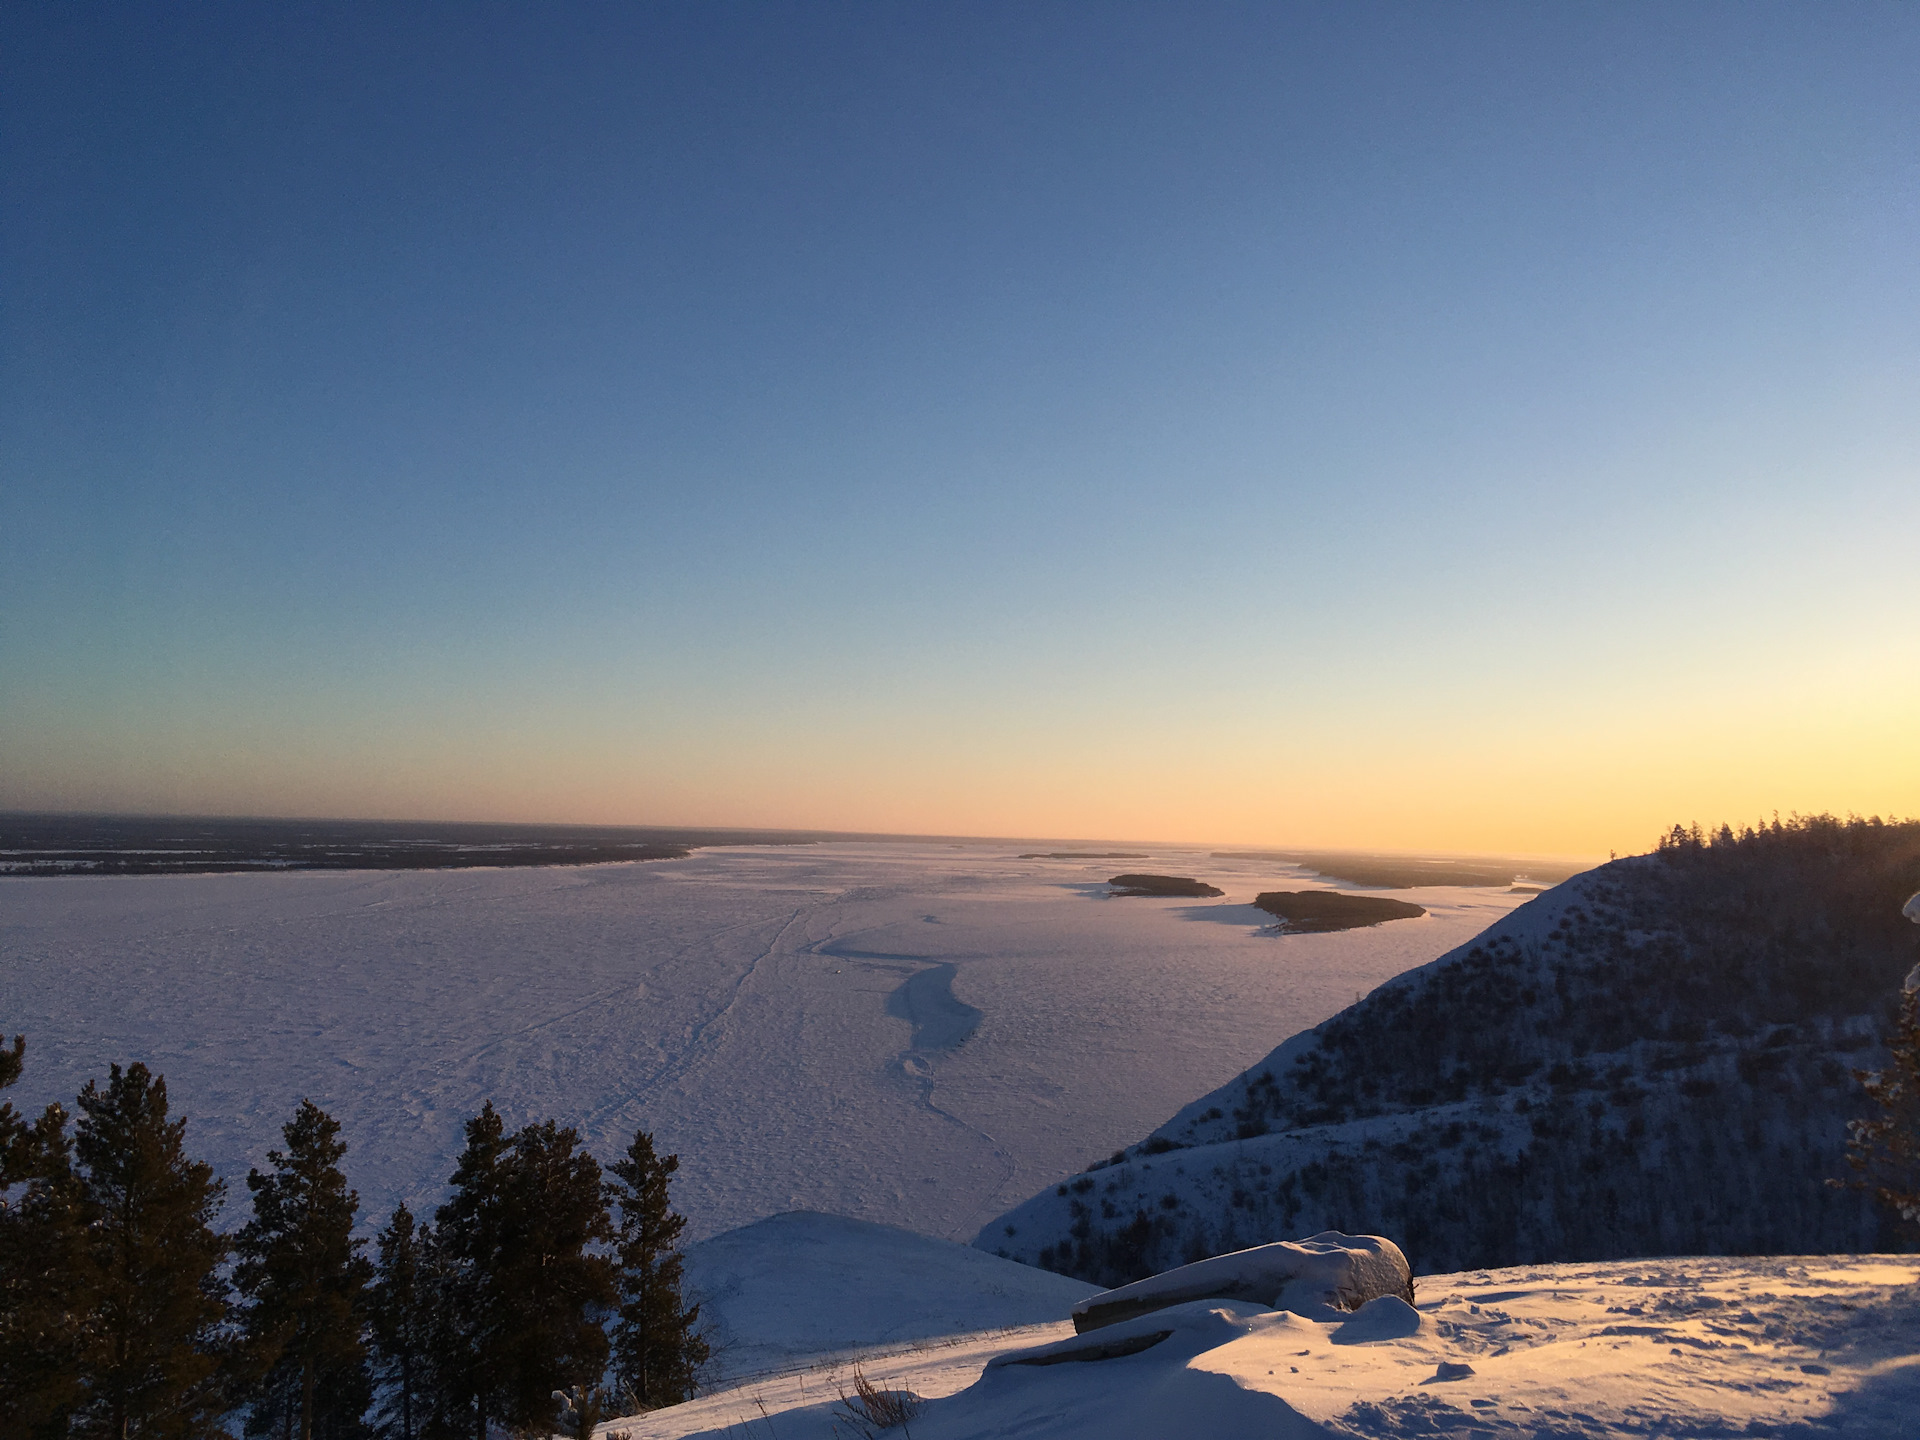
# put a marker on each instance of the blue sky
(1455, 426)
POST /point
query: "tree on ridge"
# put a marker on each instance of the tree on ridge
(1884, 1149)
(471, 1229)
(401, 1321)
(153, 1359)
(302, 1271)
(560, 1292)
(657, 1351)
(44, 1276)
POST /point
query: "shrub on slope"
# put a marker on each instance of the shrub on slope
(1653, 1058)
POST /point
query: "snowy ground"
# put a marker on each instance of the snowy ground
(1815, 1346)
(920, 1035)
(778, 1294)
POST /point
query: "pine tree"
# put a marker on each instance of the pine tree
(44, 1278)
(401, 1315)
(444, 1362)
(469, 1352)
(1885, 1149)
(657, 1352)
(151, 1363)
(301, 1270)
(556, 1209)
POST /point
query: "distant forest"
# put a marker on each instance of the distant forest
(1402, 872)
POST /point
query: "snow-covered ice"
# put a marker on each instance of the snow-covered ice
(1780, 1346)
(918, 1034)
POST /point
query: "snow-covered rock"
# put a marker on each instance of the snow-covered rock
(1326, 1272)
(782, 1291)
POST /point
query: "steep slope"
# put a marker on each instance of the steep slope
(1651, 1059)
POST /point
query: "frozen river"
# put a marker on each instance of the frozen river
(912, 1033)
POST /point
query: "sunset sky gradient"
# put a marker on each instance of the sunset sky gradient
(1466, 427)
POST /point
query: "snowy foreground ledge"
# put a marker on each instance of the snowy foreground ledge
(1822, 1345)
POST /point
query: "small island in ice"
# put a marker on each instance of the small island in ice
(1175, 885)
(1312, 911)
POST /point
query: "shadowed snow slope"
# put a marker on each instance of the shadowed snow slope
(1800, 1347)
(801, 1284)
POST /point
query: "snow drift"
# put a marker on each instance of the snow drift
(783, 1291)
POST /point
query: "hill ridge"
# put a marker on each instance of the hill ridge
(1653, 1057)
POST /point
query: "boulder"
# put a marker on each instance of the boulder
(1326, 1271)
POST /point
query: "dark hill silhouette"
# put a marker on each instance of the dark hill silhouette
(1652, 1059)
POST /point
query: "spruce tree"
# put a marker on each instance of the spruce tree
(151, 1363)
(1884, 1149)
(476, 1308)
(401, 1316)
(302, 1272)
(44, 1277)
(556, 1209)
(657, 1352)
(420, 1338)
(445, 1379)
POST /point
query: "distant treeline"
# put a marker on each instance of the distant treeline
(124, 1312)
(1396, 872)
(1083, 855)
(159, 845)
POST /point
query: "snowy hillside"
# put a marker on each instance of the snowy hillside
(787, 1289)
(1822, 1346)
(1652, 1058)
(913, 1033)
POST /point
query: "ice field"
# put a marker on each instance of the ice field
(911, 1033)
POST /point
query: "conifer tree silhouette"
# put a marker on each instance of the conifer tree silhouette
(44, 1278)
(401, 1322)
(657, 1351)
(471, 1230)
(1884, 1148)
(556, 1209)
(306, 1280)
(152, 1361)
